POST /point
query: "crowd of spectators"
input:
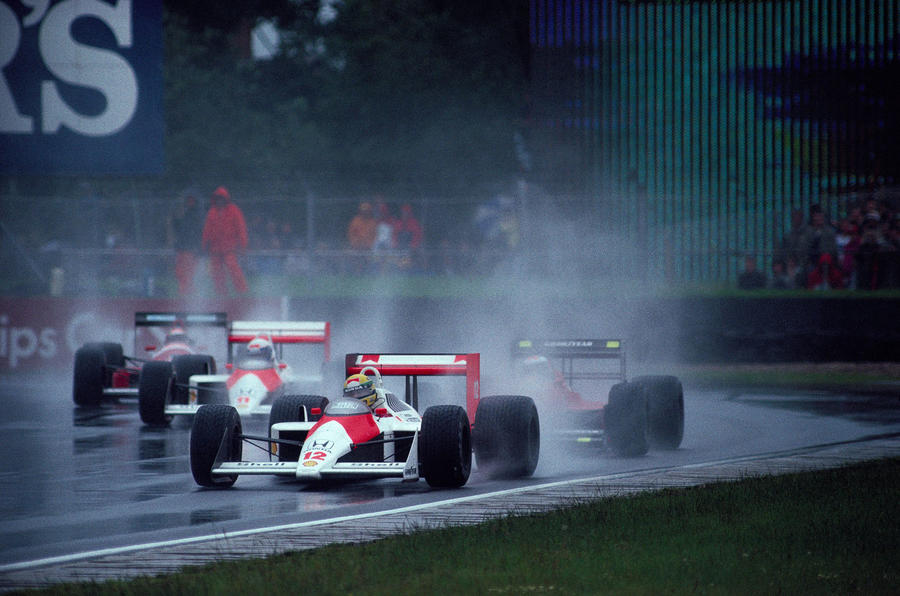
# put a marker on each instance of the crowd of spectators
(859, 251)
(385, 242)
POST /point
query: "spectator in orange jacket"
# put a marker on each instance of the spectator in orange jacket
(361, 231)
(224, 236)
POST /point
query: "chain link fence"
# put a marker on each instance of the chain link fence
(121, 245)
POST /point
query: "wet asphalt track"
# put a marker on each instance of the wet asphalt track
(74, 480)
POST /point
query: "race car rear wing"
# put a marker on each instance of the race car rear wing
(412, 366)
(282, 332)
(568, 350)
(145, 321)
(184, 319)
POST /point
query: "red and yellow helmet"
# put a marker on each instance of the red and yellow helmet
(361, 387)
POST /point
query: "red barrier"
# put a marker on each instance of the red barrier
(45, 332)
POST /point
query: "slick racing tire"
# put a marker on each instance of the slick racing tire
(184, 367)
(625, 420)
(154, 392)
(445, 446)
(665, 410)
(211, 392)
(294, 408)
(115, 356)
(507, 436)
(89, 375)
(215, 438)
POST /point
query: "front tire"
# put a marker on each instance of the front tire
(665, 408)
(625, 420)
(294, 408)
(89, 375)
(215, 438)
(154, 392)
(507, 436)
(445, 446)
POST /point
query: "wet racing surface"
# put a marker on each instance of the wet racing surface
(75, 479)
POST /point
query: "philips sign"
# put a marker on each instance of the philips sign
(81, 86)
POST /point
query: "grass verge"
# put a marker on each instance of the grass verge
(828, 532)
(850, 377)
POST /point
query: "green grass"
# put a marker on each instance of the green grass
(859, 378)
(829, 532)
(559, 285)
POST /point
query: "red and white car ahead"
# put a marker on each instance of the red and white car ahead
(258, 372)
(628, 416)
(103, 371)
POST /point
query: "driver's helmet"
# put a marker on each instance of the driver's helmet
(177, 335)
(260, 349)
(534, 364)
(361, 387)
(531, 370)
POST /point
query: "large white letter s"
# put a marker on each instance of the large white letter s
(86, 66)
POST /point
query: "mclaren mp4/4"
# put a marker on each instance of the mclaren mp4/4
(103, 371)
(257, 372)
(313, 439)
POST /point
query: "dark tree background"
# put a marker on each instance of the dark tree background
(403, 96)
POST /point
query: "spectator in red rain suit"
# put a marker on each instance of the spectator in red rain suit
(408, 237)
(224, 236)
(407, 231)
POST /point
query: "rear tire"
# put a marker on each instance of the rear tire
(115, 356)
(625, 420)
(154, 392)
(665, 397)
(89, 375)
(294, 408)
(445, 446)
(212, 392)
(507, 436)
(186, 366)
(215, 438)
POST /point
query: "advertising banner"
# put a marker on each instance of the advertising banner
(44, 333)
(81, 87)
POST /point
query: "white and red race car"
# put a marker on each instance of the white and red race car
(312, 439)
(103, 371)
(257, 372)
(608, 410)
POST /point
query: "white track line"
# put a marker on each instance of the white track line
(62, 559)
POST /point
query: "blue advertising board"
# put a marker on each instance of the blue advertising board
(81, 87)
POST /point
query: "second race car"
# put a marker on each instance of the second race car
(103, 371)
(257, 372)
